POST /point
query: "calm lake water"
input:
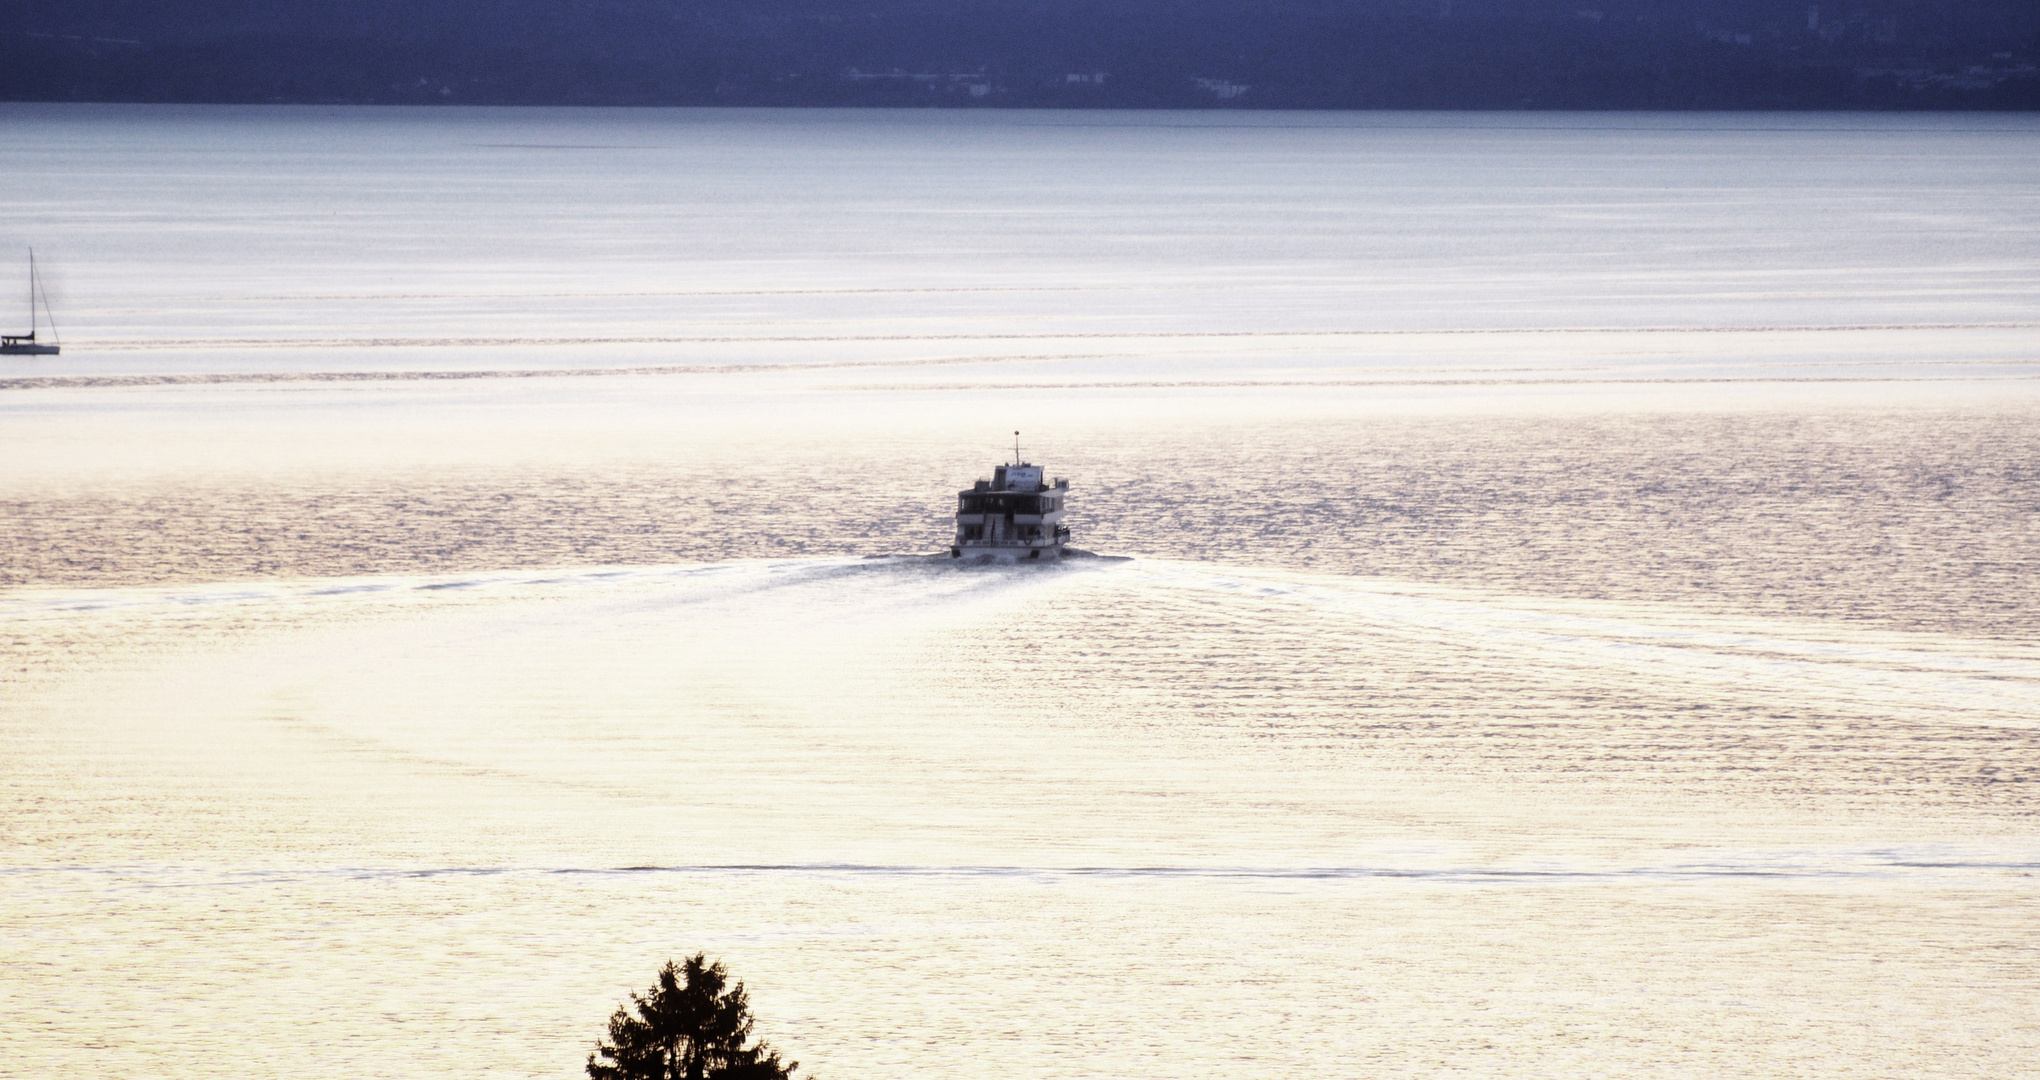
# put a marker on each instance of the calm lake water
(1581, 618)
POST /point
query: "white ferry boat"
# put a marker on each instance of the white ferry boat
(1012, 516)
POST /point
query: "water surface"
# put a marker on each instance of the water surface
(1580, 618)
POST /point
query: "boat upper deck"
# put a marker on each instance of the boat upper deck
(1014, 510)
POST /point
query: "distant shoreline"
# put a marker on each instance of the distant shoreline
(1531, 55)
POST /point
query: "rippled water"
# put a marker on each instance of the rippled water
(1923, 517)
(430, 602)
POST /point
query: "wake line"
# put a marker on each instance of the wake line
(112, 381)
(1236, 384)
(140, 345)
(673, 293)
(759, 573)
(1695, 872)
(1852, 866)
(1468, 376)
(223, 377)
(86, 382)
(1998, 686)
(61, 601)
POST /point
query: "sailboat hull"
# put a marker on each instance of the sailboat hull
(11, 349)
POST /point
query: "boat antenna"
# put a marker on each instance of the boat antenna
(1016, 448)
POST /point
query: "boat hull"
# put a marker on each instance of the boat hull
(28, 350)
(1006, 553)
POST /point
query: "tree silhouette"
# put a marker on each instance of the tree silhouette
(692, 1025)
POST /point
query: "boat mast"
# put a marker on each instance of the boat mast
(31, 294)
(35, 289)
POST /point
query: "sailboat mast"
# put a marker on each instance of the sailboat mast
(31, 294)
(45, 295)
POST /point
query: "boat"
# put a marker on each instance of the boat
(26, 344)
(1016, 515)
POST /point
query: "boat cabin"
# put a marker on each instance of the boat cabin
(1014, 515)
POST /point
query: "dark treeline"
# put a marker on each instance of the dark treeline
(1658, 54)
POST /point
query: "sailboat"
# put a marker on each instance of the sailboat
(26, 344)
